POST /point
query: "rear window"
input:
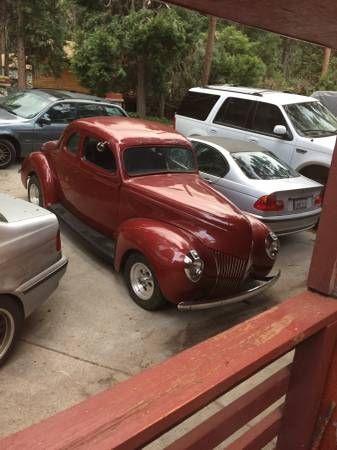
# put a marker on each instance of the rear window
(197, 105)
(263, 166)
(150, 160)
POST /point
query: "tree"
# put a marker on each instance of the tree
(235, 59)
(209, 50)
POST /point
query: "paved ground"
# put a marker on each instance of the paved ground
(90, 335)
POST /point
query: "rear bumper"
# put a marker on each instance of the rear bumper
(288, 224)
(260, 286)
(36, 290)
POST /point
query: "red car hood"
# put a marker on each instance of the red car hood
(185, 200)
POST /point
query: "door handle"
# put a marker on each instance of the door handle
(253, 140)
(208, 180)
(303, 152)
(213, 131)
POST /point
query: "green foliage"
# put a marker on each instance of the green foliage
(235, 59)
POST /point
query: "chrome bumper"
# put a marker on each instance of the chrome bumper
(264, 284)
(36, 290)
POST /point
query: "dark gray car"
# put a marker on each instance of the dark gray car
(30, 118)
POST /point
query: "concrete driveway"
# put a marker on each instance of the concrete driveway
(90, 335)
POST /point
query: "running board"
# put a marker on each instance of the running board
(103, 246)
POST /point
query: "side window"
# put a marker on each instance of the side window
(98, 152)
(210, 160)
(89, 110)
(62, 113)
(197, 105)
(113, 111)
(235, 112)
(266, 117)
(73, 143)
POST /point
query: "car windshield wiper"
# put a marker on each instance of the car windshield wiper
(7, 109)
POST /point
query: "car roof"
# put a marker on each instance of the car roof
(59, 94)
(265, 95)
(230, 145)
(132, 132)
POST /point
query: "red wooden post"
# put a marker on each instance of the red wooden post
(323, 269)
(309, 372)
(326, 428)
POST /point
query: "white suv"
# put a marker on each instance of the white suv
(298, 129)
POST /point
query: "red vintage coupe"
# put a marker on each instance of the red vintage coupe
(131, 188)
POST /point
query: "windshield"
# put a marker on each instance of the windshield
(312, 119)
(150, 160)
(263, 166)
(24, 104)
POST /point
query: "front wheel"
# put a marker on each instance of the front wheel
(142, 283)
(11, 321)
(7, 153)
(35, 195)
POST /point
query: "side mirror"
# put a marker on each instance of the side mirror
(280, 130)
(44, 120)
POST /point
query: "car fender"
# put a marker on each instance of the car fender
(37, 163)
(164, 246)
(321, 162)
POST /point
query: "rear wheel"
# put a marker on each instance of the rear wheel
(142, 283)
(7, 153)
(35, 195)
(11, 321)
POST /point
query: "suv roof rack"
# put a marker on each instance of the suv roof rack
(229, 88)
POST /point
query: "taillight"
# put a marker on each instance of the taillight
(269, 203)
(318, 199)
(58, 241)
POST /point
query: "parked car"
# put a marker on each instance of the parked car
(328, 99)
(31, 264)
(297, 129)
(30, 118)
(259, 183)
(132, 189)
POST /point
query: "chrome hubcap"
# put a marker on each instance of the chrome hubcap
(5, 154)
(142, 281)
(7, 329)
(34, 194)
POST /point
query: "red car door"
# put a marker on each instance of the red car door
(96, 185)
(67, 166)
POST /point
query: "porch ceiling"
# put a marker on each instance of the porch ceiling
(309, 20)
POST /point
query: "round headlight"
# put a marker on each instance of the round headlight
(272, 245)
(194, 266)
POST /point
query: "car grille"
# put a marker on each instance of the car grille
(230, 270)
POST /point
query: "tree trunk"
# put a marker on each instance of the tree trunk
(21, 50)
(209, 50)
(141, 98)
(326, 61)
(162, 105)
(286, 56)
(3, 36)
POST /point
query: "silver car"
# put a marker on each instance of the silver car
(259, 183)
(31, 264)
(30, 118)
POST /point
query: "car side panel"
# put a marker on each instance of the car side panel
(165, 247)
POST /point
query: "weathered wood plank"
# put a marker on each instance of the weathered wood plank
(140, 409)
(260, 434)
(234, 416)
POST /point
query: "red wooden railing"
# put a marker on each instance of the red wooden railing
(143, 408)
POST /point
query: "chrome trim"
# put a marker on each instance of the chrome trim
(267, 282)
(42, 276)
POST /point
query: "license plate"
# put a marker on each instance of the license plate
(300, 203)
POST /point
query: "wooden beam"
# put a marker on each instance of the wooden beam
(323, 269)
